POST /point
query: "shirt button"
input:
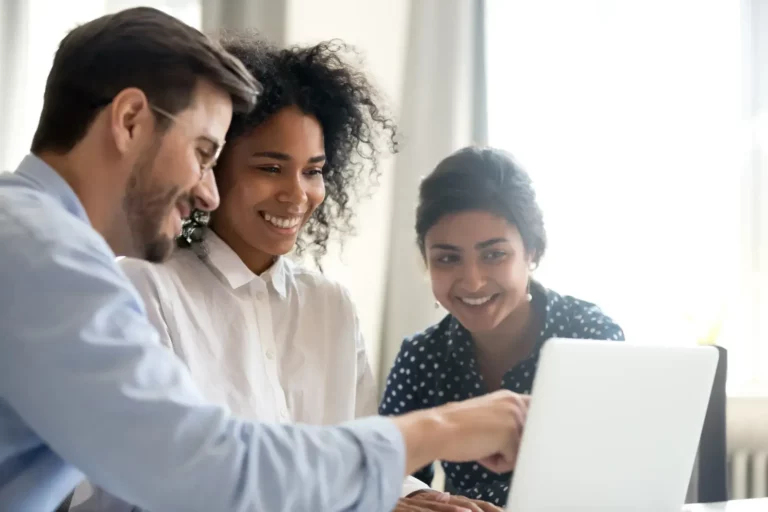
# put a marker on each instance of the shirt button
(284, 414)
(270, 354)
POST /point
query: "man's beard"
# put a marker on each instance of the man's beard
(146, 209)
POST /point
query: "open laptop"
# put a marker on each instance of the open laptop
(612, 427)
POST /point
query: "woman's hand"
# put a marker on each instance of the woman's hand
(435, 501)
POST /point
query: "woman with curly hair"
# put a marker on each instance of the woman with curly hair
(261, 334)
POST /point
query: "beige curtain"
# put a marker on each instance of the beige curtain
(443, 108)
(266, 16)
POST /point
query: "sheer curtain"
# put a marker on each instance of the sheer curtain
(443, 107)
(30, 34)
(634, 122)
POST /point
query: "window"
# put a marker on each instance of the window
(629, 117)
(28, 49)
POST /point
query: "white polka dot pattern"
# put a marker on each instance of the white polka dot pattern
(438, 366)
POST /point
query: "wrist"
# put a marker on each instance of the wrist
(425, 434)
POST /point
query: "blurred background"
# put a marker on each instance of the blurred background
(643, 124)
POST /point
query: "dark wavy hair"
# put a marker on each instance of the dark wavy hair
(321, 82)
(482, 179)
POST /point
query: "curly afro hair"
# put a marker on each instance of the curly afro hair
(320, 81)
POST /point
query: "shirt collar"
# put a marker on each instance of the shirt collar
(225, 261)
(48, 180)
(543, 301)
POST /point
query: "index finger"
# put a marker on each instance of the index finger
(488, 507)
(425, 504)
(474, 505)
(465, 502)
(434, 506)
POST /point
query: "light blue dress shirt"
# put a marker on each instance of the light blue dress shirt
(87, 389)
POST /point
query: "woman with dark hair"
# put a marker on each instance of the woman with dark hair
(481, 234)
(329, 114)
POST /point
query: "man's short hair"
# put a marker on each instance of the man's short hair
(143, 48)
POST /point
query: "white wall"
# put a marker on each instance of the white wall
(378, 30)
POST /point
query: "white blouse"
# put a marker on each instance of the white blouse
(280, 347)
(284, 346)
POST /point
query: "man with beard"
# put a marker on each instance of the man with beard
(135, 112)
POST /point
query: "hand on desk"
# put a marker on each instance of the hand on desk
(434, 501)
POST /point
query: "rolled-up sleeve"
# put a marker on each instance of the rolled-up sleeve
(83, 368)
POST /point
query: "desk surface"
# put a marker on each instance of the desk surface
(731, 506)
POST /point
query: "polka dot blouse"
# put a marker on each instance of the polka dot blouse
(438, 366)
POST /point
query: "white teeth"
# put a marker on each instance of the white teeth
(476, 302)
(282, 222)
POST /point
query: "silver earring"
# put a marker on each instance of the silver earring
(528, 295)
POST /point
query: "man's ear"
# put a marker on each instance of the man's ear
(130, 118)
